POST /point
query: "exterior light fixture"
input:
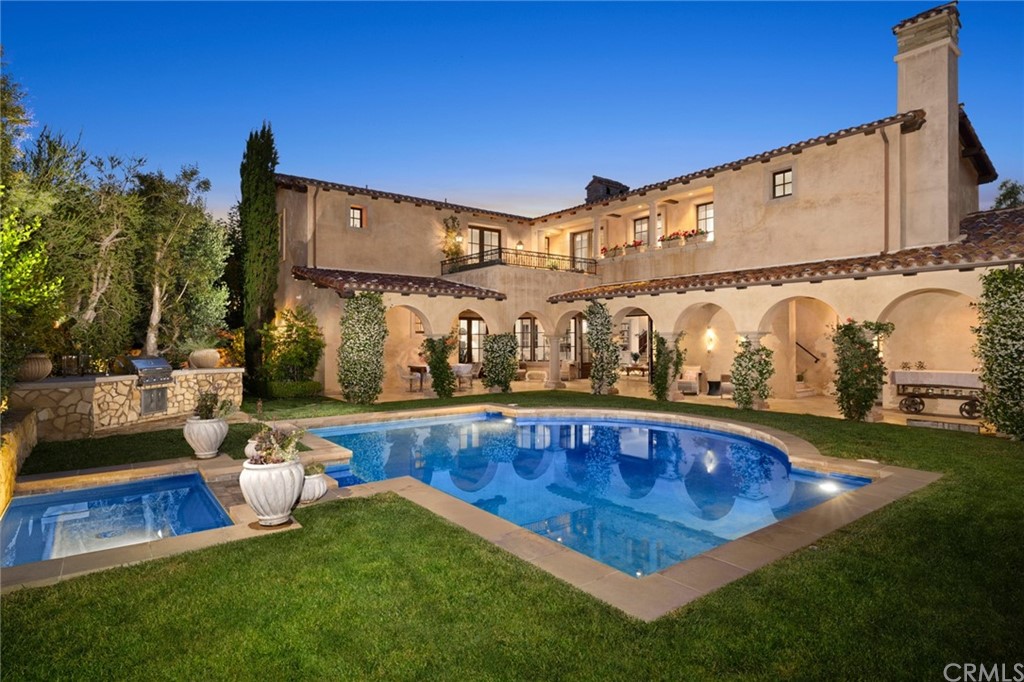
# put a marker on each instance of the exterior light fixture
(519, 245)
(458, 238)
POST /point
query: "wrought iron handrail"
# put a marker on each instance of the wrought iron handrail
(519, 258)
(816, 358)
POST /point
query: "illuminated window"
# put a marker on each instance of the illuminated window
(640, 230)
(706, 219)
(580, 245)
(782, 183)
(356, 216)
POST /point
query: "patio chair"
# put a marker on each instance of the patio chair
(406, 374)
(565, 370)
(689, 383)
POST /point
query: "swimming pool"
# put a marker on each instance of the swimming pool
(55, 525)
(635, 495)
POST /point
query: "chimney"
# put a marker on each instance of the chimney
(600, 188)
(926, 64)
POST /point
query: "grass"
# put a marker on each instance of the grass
(381, 589)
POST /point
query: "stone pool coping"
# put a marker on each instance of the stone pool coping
(646, 598)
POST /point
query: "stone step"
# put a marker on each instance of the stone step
(804, 391)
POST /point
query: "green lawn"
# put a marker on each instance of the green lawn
(380, 588)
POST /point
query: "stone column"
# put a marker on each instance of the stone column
(597, 241)
(554, 364)
(652, 225)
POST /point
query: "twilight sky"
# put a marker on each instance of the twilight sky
(507, 106)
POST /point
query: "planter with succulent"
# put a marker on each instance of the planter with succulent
(314, 486)
(202, 352)
(272, 477)
(206, 429)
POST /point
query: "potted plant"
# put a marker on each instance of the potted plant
(314, 486)
(272, 478)
(696, 236)
(612, 251)
(671, 241)
(636, 245)
(35, 367)
(206, 429)
(202, 352)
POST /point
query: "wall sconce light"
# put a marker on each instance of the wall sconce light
(458, 238)
(519, 245)
(709, 340)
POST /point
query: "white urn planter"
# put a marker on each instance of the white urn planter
(205, 436)
(313, 488)
(35, 367)
(272, 490)
(204, 358)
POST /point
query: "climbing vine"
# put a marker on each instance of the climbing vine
(500, 364)
(667, 363)
(1000, 349)
(752, 369)
(604, 352)
(441, 374)
(860, 372)
(361, 352)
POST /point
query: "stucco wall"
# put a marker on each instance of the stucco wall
(80, 407)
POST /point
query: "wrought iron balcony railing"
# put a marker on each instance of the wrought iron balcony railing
(519, 258)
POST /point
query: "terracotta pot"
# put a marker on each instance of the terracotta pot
(204, 358)
(205, 436)
(313, 488)
(272, 490)
(35, 367)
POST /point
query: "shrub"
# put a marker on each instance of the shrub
(501, 353)
(293, 389)
(361, 352)
(667, 363)
(441, 375)
(751, 370)
(293, 347)
(860, 372)
(1000, 349)
(604, 352)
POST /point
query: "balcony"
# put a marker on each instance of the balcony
(519, 258)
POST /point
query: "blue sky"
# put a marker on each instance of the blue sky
(505, 106)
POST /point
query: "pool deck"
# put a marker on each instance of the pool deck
(646, 598)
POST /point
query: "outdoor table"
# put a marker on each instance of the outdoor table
(421, 370)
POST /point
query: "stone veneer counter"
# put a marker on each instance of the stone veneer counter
(79, 407)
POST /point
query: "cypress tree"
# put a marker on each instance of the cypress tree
(257, 214)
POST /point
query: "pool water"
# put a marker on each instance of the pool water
(54, 525)
(636, 496)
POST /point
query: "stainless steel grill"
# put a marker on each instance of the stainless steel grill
(154, 378)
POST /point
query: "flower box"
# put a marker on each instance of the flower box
(672, 243)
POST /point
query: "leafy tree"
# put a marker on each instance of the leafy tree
(1011, 195)
(29, 296)
(233, 276)
(501, 352)
(293, 347)
(752, 369)
(15, 121)
(604, 352)
(180, 249)
(257, 215)
(1000, 349)
(860, 372)
(364, 329)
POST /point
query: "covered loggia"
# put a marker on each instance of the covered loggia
(799, 331)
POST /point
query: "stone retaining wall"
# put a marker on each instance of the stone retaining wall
(19, 437)
(79, 407)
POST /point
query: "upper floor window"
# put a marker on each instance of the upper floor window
(580, 243)
(640, 229)
(484, 243)
(782, 183)
(356, 217)
(706, 219)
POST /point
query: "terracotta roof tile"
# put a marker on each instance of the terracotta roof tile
(986, 238)
(347, 282)
(927, 14)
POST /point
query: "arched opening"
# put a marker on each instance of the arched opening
(471, 332)
(710, 339)
(799, 332)
(573, 347)
(407, 327)
(932, 331)
(634, 332)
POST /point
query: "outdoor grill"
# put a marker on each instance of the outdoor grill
(154, 378)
